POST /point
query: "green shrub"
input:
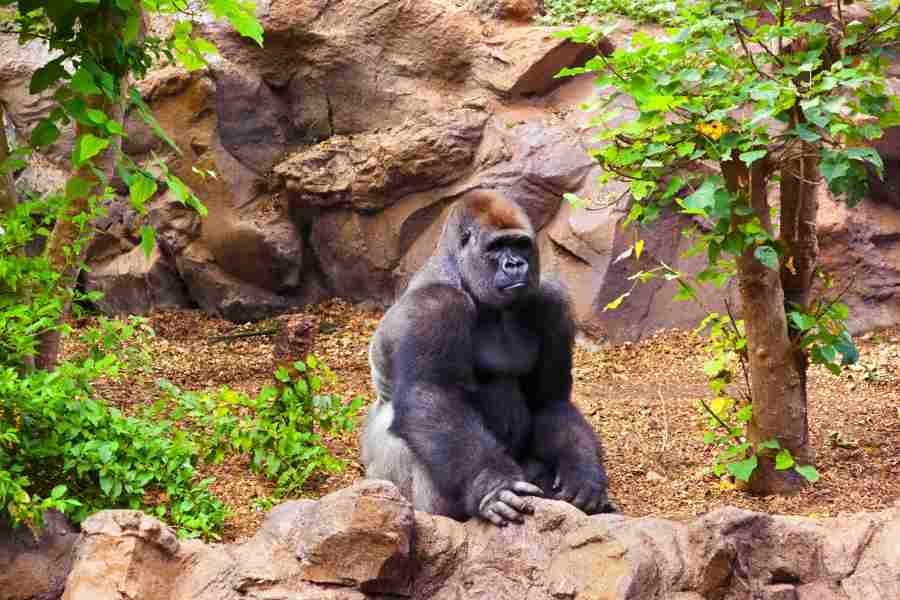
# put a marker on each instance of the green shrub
(281, 428)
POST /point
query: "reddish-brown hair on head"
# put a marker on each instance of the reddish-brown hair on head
(493, 210)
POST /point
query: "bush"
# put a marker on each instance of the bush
(62, 447)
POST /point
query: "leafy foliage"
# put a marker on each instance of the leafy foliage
(734, 88)
(60, 446)
(281, 427)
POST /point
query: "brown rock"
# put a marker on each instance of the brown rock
(521, 10)
(360, 537)
(34, 565)
(124, 553)
(368, 172)
(132, 283)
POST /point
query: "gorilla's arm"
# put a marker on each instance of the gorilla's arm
(562, 438)
(433, 375)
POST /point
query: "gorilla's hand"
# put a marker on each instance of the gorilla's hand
(583, 488)
(505, 503)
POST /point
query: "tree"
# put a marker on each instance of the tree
(100, 45)
(740, 96)
(52, 428)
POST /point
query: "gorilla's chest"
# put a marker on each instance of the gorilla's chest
(504, 353)
(504, 349)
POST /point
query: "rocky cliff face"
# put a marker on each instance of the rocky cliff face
(366, 541)
(339, 146)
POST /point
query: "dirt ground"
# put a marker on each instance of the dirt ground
(641, 398)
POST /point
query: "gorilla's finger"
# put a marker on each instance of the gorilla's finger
(507, 512)
(529, 489)
(584, 497)
(493, 517)
(517, 502)
(595, 503)
(556, 482)
(565, 494)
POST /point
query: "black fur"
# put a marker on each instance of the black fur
(480, 379)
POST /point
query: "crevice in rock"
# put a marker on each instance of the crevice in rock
(784, 576)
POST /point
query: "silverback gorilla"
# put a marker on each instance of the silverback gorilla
(472, 368)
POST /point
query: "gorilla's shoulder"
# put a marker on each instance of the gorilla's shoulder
(433, 304)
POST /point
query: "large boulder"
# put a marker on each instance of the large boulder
(34, 565)
(366, 541)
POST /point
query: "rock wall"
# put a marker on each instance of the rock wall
(338, 147)
(366, 541)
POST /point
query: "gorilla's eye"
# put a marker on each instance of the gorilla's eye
(464, 237)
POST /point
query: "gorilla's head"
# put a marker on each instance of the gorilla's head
(495, 248)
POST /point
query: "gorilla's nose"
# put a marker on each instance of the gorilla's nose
(515, 265)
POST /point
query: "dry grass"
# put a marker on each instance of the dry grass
(640, 397)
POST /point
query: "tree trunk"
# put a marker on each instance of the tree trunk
(777, 387)
(799, 206)
(69, 240)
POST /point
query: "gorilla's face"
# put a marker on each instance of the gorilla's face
(498, 267)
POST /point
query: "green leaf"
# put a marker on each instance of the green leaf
(784, 460)
(46, 76)
(702, 200)
(844, 344)
(140, 190)
(282, 375)
(83, 83)
(752, 156)
(808, 472)
(802, 321)
(87, 147)
(148, 240)
(132, 28)
(77, 187)
(58, 492)
(744, 468)
(769, 445)
(869, 155)
(44, 134)
(767, 256)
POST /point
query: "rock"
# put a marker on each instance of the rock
(369, 172)
(123, 553)
(522, 10)
(132, 283)
(365, 541)
(360, 537)
(34, 565)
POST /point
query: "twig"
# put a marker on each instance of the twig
(740, 34)
(665, 442)
(741, 356)
(243, 334)
(714, 415)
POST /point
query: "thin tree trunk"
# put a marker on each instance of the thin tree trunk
(777, 387)
(69, 241)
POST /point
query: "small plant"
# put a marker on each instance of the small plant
(281, 428)
(729, 414)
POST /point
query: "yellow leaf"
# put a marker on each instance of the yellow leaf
(718, 404)
(638, 249)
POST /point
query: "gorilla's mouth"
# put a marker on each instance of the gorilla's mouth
(513, 286)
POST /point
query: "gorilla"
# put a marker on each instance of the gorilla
(472, 371)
